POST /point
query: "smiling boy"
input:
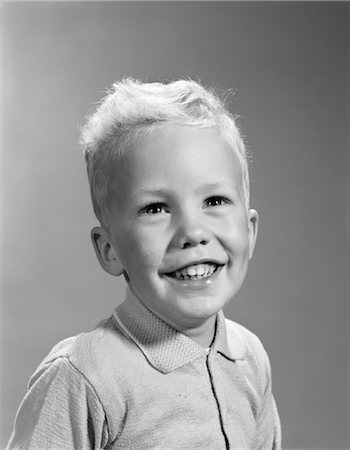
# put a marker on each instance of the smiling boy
(169, 184)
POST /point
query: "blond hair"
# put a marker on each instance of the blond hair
(132, 107)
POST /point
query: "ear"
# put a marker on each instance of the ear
(105, 251)
(253, 220)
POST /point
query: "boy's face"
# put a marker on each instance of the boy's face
(179, 226)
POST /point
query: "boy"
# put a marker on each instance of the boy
(169, 184)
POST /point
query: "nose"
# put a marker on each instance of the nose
(191, 231)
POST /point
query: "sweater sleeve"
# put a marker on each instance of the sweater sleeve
(61, 410)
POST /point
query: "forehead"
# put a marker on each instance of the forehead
(178, 157)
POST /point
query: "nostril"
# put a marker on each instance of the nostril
(190, 244)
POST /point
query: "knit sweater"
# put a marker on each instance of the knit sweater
(137, 383)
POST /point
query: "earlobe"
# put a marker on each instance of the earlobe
(105, 251)
(253, 221)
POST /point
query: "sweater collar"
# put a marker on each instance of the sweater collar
(165, 348)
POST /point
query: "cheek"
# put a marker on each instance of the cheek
(236, 230)
(143, 251)
(237, 243)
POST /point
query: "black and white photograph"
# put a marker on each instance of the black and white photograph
(175, 225)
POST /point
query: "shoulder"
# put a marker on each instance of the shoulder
(87, 369)
(59, 405)
(249, 339)
(88, 353)
(255, 356)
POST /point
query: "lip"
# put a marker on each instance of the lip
(194, 263)
(195, 284)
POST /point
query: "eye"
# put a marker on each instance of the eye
(154, 208)
(217, 200)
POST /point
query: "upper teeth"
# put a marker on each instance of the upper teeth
(196, 270)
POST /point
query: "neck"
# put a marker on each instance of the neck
(204, 334)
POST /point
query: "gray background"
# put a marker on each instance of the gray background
(287, 63)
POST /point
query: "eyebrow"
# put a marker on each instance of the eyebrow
(214, 186)
(203, 189)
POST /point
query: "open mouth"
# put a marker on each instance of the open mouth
(195, 271)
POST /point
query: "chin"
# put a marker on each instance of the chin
(204, 311)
